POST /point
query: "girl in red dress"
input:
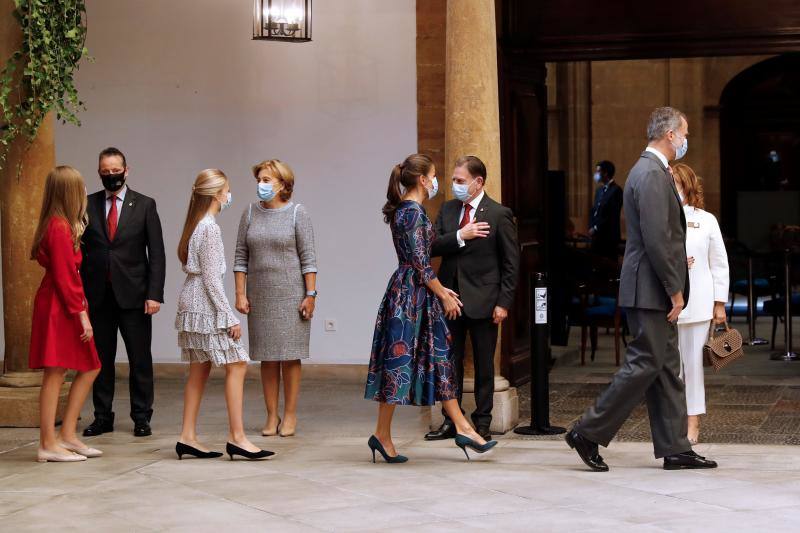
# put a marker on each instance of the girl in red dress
(61, 334)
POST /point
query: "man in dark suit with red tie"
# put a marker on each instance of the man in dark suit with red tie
(477, 240)
(123, 273)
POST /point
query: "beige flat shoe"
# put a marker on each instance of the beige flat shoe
(86, 452)
(43, 456)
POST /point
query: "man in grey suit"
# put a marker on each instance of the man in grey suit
(653, 288)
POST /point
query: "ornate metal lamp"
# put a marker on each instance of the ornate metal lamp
(282, 20)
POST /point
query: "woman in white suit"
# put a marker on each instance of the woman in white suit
(708, 278)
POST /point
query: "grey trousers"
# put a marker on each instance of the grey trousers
(650, 371)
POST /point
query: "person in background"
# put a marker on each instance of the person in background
(604, 222)
(708, 277)
(412, 361)
(208, 331)
(276, 277)
(124, 268)
(61, 333)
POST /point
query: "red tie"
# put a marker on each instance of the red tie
(465, 219)
(112, 217)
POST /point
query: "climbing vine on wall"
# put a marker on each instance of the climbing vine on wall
(38, 78)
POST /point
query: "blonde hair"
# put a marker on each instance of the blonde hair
(282, 172)
(690, 184)
(206, 186)
(64, 197)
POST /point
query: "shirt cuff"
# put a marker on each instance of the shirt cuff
(461, 242)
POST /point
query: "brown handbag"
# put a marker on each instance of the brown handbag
(723, 348)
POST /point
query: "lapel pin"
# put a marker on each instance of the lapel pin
(130, 204)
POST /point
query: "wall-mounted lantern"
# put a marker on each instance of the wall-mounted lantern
(282, 20)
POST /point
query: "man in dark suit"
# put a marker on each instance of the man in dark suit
(604, 225)
(477, 240)
(123, 275)
(653, 288)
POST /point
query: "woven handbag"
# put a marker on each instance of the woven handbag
(723, 348)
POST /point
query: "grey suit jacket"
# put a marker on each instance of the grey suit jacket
(655, 254)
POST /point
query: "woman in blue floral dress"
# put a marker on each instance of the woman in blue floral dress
(411, 361)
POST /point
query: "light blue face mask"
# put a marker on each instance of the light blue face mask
(597, 177)
(681, 150)
(265, 192)
(227, 203)
(461, 191)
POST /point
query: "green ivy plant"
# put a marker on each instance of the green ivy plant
(54, 33)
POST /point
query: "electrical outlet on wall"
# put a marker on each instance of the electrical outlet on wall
(330, 324)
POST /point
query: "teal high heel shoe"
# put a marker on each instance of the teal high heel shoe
(464, 442)
(375, 445)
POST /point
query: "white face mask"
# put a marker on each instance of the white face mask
(434, 190)
(227, 204)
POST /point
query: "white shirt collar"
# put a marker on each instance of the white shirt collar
(477, 201)
(661, 157)
(119, 194)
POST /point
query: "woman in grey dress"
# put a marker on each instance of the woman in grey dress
(276, 276)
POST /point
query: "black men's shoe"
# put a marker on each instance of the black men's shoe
(484, 432)
(587, 450)
(142, 429)
(98, 427)
(446, 431)
(687, 460)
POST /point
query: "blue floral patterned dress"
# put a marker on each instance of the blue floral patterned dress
(411, 361)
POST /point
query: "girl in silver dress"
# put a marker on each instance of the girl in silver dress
(276, 275)
(208, 331)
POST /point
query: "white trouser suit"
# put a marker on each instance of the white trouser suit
(708, 279)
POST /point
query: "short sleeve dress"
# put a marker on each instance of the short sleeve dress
(204, 314)
(411, 361)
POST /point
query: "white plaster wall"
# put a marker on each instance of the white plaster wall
(180, 86)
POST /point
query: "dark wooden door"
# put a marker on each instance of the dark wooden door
(523, 140)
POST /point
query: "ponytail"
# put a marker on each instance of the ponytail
(404, 176)
(394, 194)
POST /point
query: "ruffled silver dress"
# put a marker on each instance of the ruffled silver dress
(204, 314)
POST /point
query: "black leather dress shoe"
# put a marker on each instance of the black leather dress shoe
(587, 450)
(142, 429)
(687, 460)
(484, 432)
(445, 431)
(98, 427)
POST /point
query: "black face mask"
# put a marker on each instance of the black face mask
(113, 182)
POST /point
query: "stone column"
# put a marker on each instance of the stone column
(20, 201)
(472, 127)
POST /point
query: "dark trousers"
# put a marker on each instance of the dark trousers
(483, 334)
(650, 372)
(136, 328)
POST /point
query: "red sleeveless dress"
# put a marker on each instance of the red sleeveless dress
(56, 329)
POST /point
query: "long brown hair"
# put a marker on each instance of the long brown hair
(691, 185)
(406, 174)
(206, 186)
(64, 197)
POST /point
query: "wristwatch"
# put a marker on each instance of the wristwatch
(313, 294)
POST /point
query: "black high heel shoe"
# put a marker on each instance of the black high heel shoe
(464, 442)
(184, 449)
(232, 449)
(375, 445)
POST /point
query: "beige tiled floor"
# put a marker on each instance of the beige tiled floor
(323, 480)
